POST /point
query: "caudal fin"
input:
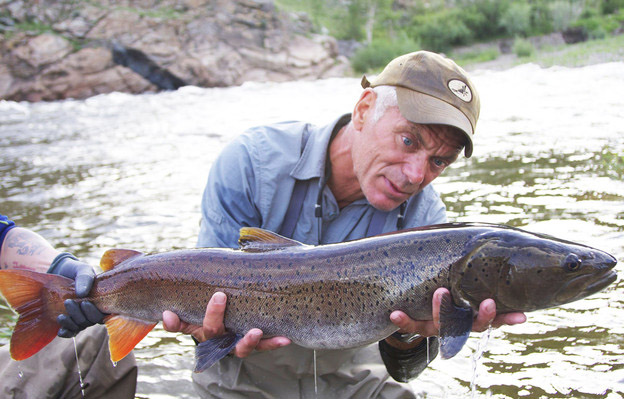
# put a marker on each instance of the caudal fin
(38, 299)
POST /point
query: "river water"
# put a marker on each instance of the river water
(122, 170)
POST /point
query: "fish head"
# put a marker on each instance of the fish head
(524, 271)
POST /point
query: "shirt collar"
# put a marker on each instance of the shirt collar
(311, 164)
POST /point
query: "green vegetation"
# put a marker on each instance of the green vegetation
(32, 27)
(522, 47)
(477, 56)
(380, 52)
(579, 54)
(440, 25)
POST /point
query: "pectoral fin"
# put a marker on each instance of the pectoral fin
(455, 327)
(211, 351)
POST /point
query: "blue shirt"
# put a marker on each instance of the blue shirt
(252, 181)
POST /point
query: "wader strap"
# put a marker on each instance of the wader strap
(379, 219)
(296, 199)
(294, 208)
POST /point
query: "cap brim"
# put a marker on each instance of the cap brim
(422, 108)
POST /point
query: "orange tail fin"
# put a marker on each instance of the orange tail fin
(38, 300)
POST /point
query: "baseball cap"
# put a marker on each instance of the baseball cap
(432, 89)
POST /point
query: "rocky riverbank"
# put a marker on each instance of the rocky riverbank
(56, 49)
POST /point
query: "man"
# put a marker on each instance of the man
(53, 372)
(364, 174)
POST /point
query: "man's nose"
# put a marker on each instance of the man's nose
(414, 170)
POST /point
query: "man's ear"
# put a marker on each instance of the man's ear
(363, 108)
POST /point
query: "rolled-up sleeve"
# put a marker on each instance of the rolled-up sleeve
(5, 226)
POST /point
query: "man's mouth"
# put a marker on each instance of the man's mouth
(395, 191)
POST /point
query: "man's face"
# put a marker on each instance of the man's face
(394, 159)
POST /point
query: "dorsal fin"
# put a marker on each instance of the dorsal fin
(113, 257)
(254, 239)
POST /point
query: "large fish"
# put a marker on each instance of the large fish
(321, 297)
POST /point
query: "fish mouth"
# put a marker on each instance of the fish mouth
(605, 280)
(571, 291)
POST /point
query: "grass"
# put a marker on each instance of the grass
(580, 54)
(477, 56)
(590, 52)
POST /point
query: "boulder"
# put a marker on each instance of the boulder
(575, 35)
(207, 43)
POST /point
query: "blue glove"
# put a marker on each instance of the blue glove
(80, 315)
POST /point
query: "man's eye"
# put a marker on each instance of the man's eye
(407, 141)
(439, 163)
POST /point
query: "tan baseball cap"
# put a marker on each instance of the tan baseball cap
(432, 89)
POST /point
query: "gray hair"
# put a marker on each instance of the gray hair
(386, 97)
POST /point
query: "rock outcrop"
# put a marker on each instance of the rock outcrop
(55, 49)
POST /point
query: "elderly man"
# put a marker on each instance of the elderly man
(365, 173)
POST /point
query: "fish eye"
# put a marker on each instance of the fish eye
(572, 262)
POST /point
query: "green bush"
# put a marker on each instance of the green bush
(523, 47)
(440, 25)
(483, 17)
(563, 14)
(541, 20)
(442, 30)
(598, 27)
(517, 19)
(377, 55)
(611, 6)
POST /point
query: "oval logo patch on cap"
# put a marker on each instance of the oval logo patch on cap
(460, 89)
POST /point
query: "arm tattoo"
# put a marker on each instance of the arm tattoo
(23, 245)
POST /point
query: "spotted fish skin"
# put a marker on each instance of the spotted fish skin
(323, 297)
(339, 295)
(330, 296)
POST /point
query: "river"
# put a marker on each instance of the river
(121, 170)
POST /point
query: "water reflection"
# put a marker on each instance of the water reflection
(127, 171)
(539, 187)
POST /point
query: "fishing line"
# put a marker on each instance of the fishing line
(82, 386)
(315, 375)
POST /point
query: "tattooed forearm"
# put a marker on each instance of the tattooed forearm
(24, 245)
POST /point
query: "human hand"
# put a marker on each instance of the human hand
(486, 318)
(213, 327)
(79, 315)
